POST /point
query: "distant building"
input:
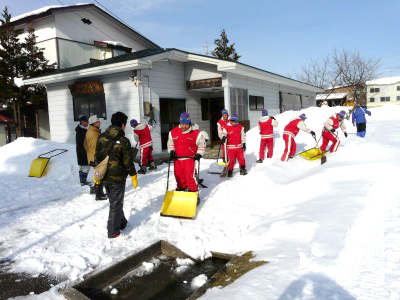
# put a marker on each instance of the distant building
(383, 91)
(342, 96)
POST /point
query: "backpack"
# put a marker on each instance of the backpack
(101, 169)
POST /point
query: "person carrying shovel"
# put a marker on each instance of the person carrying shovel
(221, 125)
(185, 145)
(328, 133)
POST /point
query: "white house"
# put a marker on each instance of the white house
(158, 84)
(383, 91)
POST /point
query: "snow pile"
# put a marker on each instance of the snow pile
(183, 264)
(329, 231)
(198, 281)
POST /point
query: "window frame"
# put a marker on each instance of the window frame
(75, 105)
(205, 113)
(372, 99)
(257, 99)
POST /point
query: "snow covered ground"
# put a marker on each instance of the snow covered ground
(329, 232)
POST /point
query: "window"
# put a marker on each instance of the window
(89, 105)
(256, 103)
(205, 109)
(398, 87)
(374, 90)
(239, 103)
(398, 98)
(371, 99)
(383, 99)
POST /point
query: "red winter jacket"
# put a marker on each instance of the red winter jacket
(142, 134)
(266, 126)
(221, 125)
(334, 123)
(235, 136)
(294, 127)
(186, 143)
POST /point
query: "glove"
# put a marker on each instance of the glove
(197, 156)
(313, 134)
(96, 181)
(172, 155)
(244, 146)
(223, 139)
(134, 181)
(272, 118)
(333, 130)
(345, 134)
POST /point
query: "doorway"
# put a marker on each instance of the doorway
(170, 109)
(216, 105)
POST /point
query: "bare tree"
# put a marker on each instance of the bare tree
(341, 68)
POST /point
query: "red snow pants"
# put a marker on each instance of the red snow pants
(269, 143)
(146, 156)
(184, 174)
(290, 147)
(328, 136)
(236, 153)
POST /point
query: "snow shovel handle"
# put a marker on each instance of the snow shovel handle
(219, 150)
(62, 151)
(169, 166)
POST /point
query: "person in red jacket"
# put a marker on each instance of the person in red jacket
(185, 145)
(221, 125)
(236, 144)
(333, 123)
(289, 133)
(142, 135)
(266, 126)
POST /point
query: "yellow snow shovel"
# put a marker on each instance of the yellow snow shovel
(39, 164)
(222, 163)
(314, 153)
(179, 203)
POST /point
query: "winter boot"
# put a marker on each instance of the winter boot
(260, 161)
(243, 171)
(143, 170)
(92, 190)
(230, 173)
(152, 166)
(83, 178)
(99, 192)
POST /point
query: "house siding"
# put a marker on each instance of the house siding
(385, 90)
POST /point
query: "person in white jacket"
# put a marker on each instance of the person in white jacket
(266, 126)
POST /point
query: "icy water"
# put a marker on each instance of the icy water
(166, 281)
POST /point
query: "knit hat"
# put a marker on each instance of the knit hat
(342, 114)
(234, 118)
(93, 119)
(264, 112)
(303, 117)
(83, 119)
(224, 112)
(134, 123)
(185, 118)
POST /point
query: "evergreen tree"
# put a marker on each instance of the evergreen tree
(11, 57)
(34, 64)
(223, 50)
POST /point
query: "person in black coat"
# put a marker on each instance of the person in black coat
(80, 150)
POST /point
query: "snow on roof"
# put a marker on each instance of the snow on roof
(114, 43)
(331, 96)
(42, 10)
(385, 80)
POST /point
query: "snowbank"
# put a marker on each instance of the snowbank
(329, 231)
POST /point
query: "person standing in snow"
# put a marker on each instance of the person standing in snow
(81, 155)
(114, 144)
(358, 119)
(185, 145)
(92, 135)
(266, 126)
(142, 135)
(290, 132)
(236, 144)
(221, 125)
(328, 133)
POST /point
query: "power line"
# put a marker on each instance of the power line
(111, 13)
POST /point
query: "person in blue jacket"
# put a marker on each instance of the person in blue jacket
(358, 118)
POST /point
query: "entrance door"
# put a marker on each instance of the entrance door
(170, 109)
(216, 105)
